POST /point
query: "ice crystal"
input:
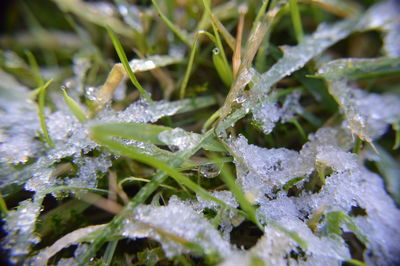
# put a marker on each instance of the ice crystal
(268, 113)
(263, 169)
(366, 122)
(272, 248)
(179, 139)
(131, 15)
(19, 122)
(175, 221)
(138, 65)
(350, 185)
(70, 135)
(142, 112)
(20, 226)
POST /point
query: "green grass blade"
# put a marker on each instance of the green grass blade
(389, 168)
(224, 71)
(396, 128)
(139, 198)
(125, 63)
(74, 107)
(140, 132)
(260, 14)
(185, 81)
(146, 133)
(207, 7)
(35, 69)
(298, 127)
(3, 207)
(42, 119)
(227, 177)
(130, 152)
(109, 253)
(294, 12)
(171, 25)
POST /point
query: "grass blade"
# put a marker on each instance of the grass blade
(175, 29)
(35, 69)
(74, 107)
(294, 12)
(42, 119)
(130, 152)
(227, 177)
(125, 63)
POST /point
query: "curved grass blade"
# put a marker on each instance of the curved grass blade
(125, 63)
(35, 69)
(227, 177)
(222, 68)
(140, 132)
(132, 153)
(42, 119)
(74, 107)
(175, 29)
(294, 12)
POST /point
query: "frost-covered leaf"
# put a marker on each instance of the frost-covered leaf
(353, 68)
(144, 112)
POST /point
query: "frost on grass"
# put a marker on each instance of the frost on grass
(268, 113)
(143, 112)
(385, 16)
(179, 139)
(20, 226)
(368, 115)
(262, 171)
(18, 124)
(177, 227)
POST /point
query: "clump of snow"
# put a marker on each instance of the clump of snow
(179, 139)
(272, 167)
(176, 220)
(269, 113)
(20, 226)
(18, 124)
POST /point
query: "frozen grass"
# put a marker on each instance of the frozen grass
(201, 132)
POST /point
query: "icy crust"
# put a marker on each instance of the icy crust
(142, 112)
(176, 221)
(18, 124)
(179, 139)
(228, 218)
(272, 248)
(368, 115)
(385, 16)
(268, 113)
(260, 170)
(20, 227)
(138, 65)
(350, 185)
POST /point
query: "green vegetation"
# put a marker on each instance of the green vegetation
(200, 132)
